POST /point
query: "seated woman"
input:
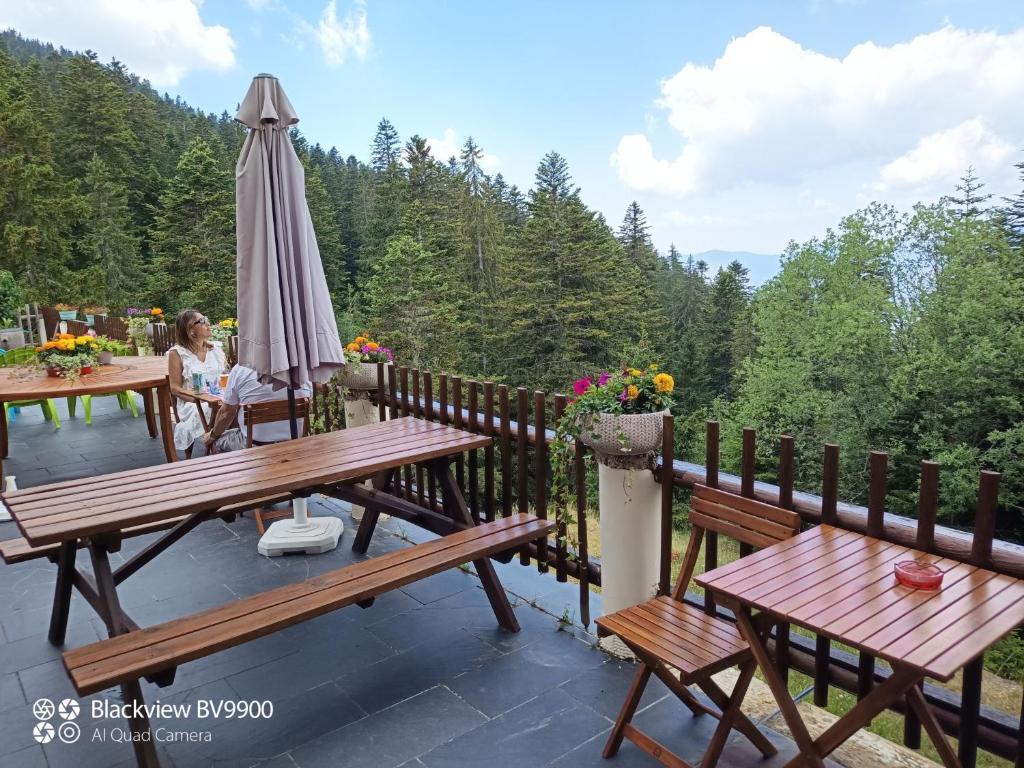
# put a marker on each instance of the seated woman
(193, 353)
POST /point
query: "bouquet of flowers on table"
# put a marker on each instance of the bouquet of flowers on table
(68, 355)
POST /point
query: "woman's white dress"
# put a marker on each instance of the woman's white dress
(190, 427)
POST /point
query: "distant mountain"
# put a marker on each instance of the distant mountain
(763, 266)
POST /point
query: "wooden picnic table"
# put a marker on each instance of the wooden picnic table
(97, 514)
(144, 375)
(840, 584)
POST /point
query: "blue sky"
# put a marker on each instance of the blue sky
(736, 125)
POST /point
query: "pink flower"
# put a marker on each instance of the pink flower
(624, 396)
(603, 378)
(582, 385)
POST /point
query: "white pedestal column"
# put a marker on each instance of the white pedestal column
(630, 507)
(360, 411)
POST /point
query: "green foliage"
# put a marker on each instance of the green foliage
(10, 297)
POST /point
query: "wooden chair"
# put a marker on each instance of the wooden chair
(232, 351)
(111, 327)
(665, 633)
(78, 327)
(163, 338)
(268, 412)
(51, 320)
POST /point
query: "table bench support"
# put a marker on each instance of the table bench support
(62, 591)
(131, 691)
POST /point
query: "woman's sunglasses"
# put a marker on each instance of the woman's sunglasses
(201, 321)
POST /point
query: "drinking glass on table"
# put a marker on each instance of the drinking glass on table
(222, 382)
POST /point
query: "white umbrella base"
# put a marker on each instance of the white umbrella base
(318, 535)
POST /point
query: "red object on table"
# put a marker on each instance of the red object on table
(918, 574)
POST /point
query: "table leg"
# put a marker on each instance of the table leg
(455, 506)
(371, 513)
(3, 430)
(808, 750)
(131, 692)
(62, 592)
(931, 726)
(147, 406)
(163, 393)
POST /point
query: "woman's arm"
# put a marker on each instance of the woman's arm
(176, 374)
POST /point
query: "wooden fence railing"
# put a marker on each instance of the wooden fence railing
(513, 474)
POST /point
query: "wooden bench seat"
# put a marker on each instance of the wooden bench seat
(680, 634)
(18, 550)
(148, 651)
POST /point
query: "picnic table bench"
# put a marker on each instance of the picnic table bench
(98, 514)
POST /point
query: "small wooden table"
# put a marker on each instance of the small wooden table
(840, 584)
(144, 375)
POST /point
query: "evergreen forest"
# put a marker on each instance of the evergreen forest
(895, 331)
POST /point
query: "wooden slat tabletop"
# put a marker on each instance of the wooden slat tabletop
(79, 508)
(841, 584)
(123, 373)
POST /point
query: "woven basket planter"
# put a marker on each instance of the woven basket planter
(361, 376)
(618, 436)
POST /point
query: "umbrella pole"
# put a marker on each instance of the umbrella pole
(293, 422)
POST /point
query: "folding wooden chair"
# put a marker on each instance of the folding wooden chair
(268, 412)
(667, 634)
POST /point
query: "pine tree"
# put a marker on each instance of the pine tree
(970, 198)
(113, 269)
(1014, 212)
(384, 153)
(328, 235)
(194, 236)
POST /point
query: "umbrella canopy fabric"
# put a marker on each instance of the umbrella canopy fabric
(287, 332)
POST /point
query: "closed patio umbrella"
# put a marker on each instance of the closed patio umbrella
(286, 327)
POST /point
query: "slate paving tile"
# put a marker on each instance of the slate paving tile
(603, 688)
(311, 664)
(36, 649)
(440, 585)
(422, 667)
(29, 757)
(16, 724)
(10, 691)
(510, 680)
(550, 725)
(395, 735)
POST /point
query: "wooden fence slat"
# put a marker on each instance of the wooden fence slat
(489, 451)
(428, 414)
(927, 511)
(406, 470)
(711, 480)
(417, 412)
(505, 437)
(981, 555)
(560, 528)
(442, 396)
(460, 464)
(787, 474)
(473, 469)
(829, 516)
(382, 406)
(878, 469)
(540, 477)
(522, 464)
(747, 473)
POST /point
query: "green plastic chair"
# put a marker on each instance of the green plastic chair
(124, 400)
(17, 357)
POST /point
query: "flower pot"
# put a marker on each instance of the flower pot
(90, 319)
(106, 357)
(68, 314)
(361, 375)
(54, 373)
(85, 369)
(623, 434)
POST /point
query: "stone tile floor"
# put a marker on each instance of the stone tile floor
(422, 678)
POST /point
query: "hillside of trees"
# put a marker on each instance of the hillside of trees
(895, 331)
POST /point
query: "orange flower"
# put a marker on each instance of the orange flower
(359, 340)
(663, 382)
(372, 345)
(353, 347)
(156, 311)
(632, 391)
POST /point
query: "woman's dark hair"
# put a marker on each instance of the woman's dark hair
(182, 325)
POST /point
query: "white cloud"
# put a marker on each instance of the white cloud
(771, 111)
(338, 39)
(161, 40)
(449, 145)
(944, 155)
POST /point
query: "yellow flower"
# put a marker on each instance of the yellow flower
(635, 372)
(632, 391)
(226, 323)
(652, 367)
(372, 345)
(83, 340)
(664, 383)
(353, 347)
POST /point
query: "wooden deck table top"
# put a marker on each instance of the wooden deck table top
(106, 504)
(123, 373)
(841, 584)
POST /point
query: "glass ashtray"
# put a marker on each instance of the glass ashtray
(918, 574)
